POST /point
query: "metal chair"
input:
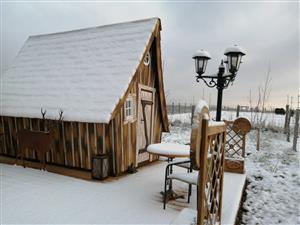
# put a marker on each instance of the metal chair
(193, 164)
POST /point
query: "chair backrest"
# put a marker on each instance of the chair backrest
(211, 172)
(201, 112)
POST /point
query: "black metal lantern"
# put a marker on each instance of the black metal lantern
(234, 56)
(201, 57)
(221, 80)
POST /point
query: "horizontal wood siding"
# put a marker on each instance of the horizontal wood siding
(74, 143)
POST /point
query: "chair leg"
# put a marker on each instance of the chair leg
(197, 197)
(189, 193)
(165, 188)
(165, 193)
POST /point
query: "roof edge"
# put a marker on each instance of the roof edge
(94, 27)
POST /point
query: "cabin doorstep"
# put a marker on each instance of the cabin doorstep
(107, 80)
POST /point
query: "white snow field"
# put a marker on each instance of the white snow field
(31, 196)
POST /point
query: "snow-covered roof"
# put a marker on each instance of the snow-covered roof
(84, 72)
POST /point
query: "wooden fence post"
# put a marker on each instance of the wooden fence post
(179, 107)
(286, 118)
(184, 107)
(258, 139)
(288, 131)
(237, 111)
(296, 129)
(172, 107)
(193, 108)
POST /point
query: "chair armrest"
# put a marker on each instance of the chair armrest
(175, 164)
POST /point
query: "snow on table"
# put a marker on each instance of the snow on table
(169, 149)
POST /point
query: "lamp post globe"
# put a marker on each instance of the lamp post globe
(234, 56)
(201, 58)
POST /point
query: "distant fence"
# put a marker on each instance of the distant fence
(182, 112)
(179, 107)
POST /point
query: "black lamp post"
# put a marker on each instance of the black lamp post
(220, 80)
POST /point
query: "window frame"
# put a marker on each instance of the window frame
(129, 109)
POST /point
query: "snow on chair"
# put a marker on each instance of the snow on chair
(201, 112)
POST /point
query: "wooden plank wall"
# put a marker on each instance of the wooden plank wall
(124, 134)
(74, 145)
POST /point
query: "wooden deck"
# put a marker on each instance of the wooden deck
(142, 188)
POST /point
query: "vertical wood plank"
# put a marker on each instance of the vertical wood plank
(130, 149)
(122, 142)
(26, 126)
(10, 130)
(72, 144)
(63, 133)
(80, 145)
(134, 143)
(103, 138)
(77, 144)
(113, 158)
(68, 144)
(125, 147)
(95, 138)
(4, 136)
(87, 143)
(92, 139)
(99, 130)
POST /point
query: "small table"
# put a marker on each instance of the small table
(171, 151)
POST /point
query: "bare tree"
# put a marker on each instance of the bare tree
(258, 118)
(264, 92)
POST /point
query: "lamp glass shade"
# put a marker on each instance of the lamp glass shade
(234, 56)
(201, 57)
(200, 65)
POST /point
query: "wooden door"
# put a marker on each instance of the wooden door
(145, 121)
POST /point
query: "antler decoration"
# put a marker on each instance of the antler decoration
(43, 113)
(60, 115)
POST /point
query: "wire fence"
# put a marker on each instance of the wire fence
(182, 112)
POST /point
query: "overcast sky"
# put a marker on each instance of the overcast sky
(269, 31)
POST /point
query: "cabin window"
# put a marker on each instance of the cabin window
(129, 109)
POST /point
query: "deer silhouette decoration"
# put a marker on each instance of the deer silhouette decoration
(40, 141)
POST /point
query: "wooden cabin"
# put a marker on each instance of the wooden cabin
(107, 80)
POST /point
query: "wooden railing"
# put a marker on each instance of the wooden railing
(210, 183)
(235, 146)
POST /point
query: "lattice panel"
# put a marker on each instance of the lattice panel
(214, 180)
(235, 142)
(211, 175)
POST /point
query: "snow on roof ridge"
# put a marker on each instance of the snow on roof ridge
(94, 27)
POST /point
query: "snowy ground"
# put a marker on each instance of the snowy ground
(31, 196)
(273, 193)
